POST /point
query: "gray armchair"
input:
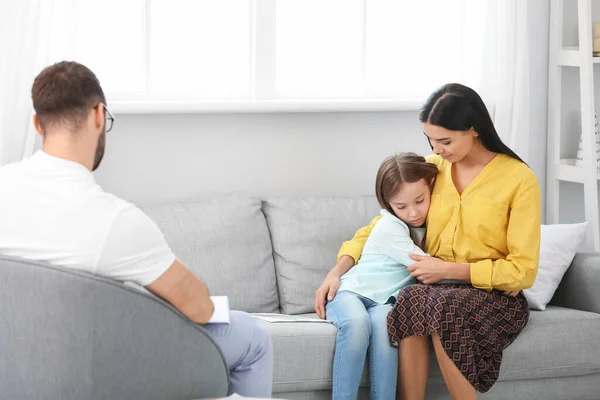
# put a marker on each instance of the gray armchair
(68, 335)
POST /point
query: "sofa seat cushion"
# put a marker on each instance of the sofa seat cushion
(226, 243)
(303, 353)
(558, 342)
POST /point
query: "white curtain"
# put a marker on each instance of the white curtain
(33, 34)
(505, 76)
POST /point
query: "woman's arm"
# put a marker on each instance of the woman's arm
(436, 270)
(458, 272)
(519, 269)
(430, 270)
(515, 272)
(354, 247)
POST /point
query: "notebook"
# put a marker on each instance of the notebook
(273, 317)
(221, 314)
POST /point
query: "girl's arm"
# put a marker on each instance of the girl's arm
(394, 240)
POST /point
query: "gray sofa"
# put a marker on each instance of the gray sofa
(270, 255)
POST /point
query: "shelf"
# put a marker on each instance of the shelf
(569, 172)
(570, 56)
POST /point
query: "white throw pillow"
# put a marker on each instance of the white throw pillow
(558, 246)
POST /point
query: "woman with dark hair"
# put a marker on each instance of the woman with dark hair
(483, 235)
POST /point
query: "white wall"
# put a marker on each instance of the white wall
(167, 157)
(158, 158)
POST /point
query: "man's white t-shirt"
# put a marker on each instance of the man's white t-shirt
(52, 210)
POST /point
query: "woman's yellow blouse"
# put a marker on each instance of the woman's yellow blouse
(494, 225)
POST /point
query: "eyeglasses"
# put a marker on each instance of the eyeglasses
(109, 118)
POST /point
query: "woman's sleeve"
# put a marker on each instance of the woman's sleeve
(434, 159)
(519, 269)
(354, 247)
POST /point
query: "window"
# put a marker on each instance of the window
(318, 49)
(247, 50)
(168, 48)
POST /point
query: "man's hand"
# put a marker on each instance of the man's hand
(184, 291)
(327, 290)
(428, 270)
(513, 293)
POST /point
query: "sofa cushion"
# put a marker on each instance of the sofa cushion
(225, 242)
(555, 343)
(558, 342)
(311, 346)
(558, 247)
(307, 234)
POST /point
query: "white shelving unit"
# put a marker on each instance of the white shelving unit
(558, 169)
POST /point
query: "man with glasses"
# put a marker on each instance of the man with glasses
(52, 210)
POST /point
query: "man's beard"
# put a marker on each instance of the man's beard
(99, 150)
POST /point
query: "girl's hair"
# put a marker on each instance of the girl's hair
(398, 169)
(459, 108)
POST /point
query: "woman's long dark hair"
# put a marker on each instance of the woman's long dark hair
(459, 108)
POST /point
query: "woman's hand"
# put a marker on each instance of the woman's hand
(328, 289)
(513, 293)
(428, 269)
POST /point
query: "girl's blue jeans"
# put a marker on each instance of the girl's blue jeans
(362, 326)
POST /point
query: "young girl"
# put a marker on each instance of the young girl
(369, 289)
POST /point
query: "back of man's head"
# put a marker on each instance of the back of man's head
(63, 95)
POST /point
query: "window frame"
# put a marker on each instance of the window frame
(262, 95)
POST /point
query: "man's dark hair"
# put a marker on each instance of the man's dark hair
(64, 93)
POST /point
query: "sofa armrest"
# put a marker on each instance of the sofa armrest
(71, 335)
(580, 287)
